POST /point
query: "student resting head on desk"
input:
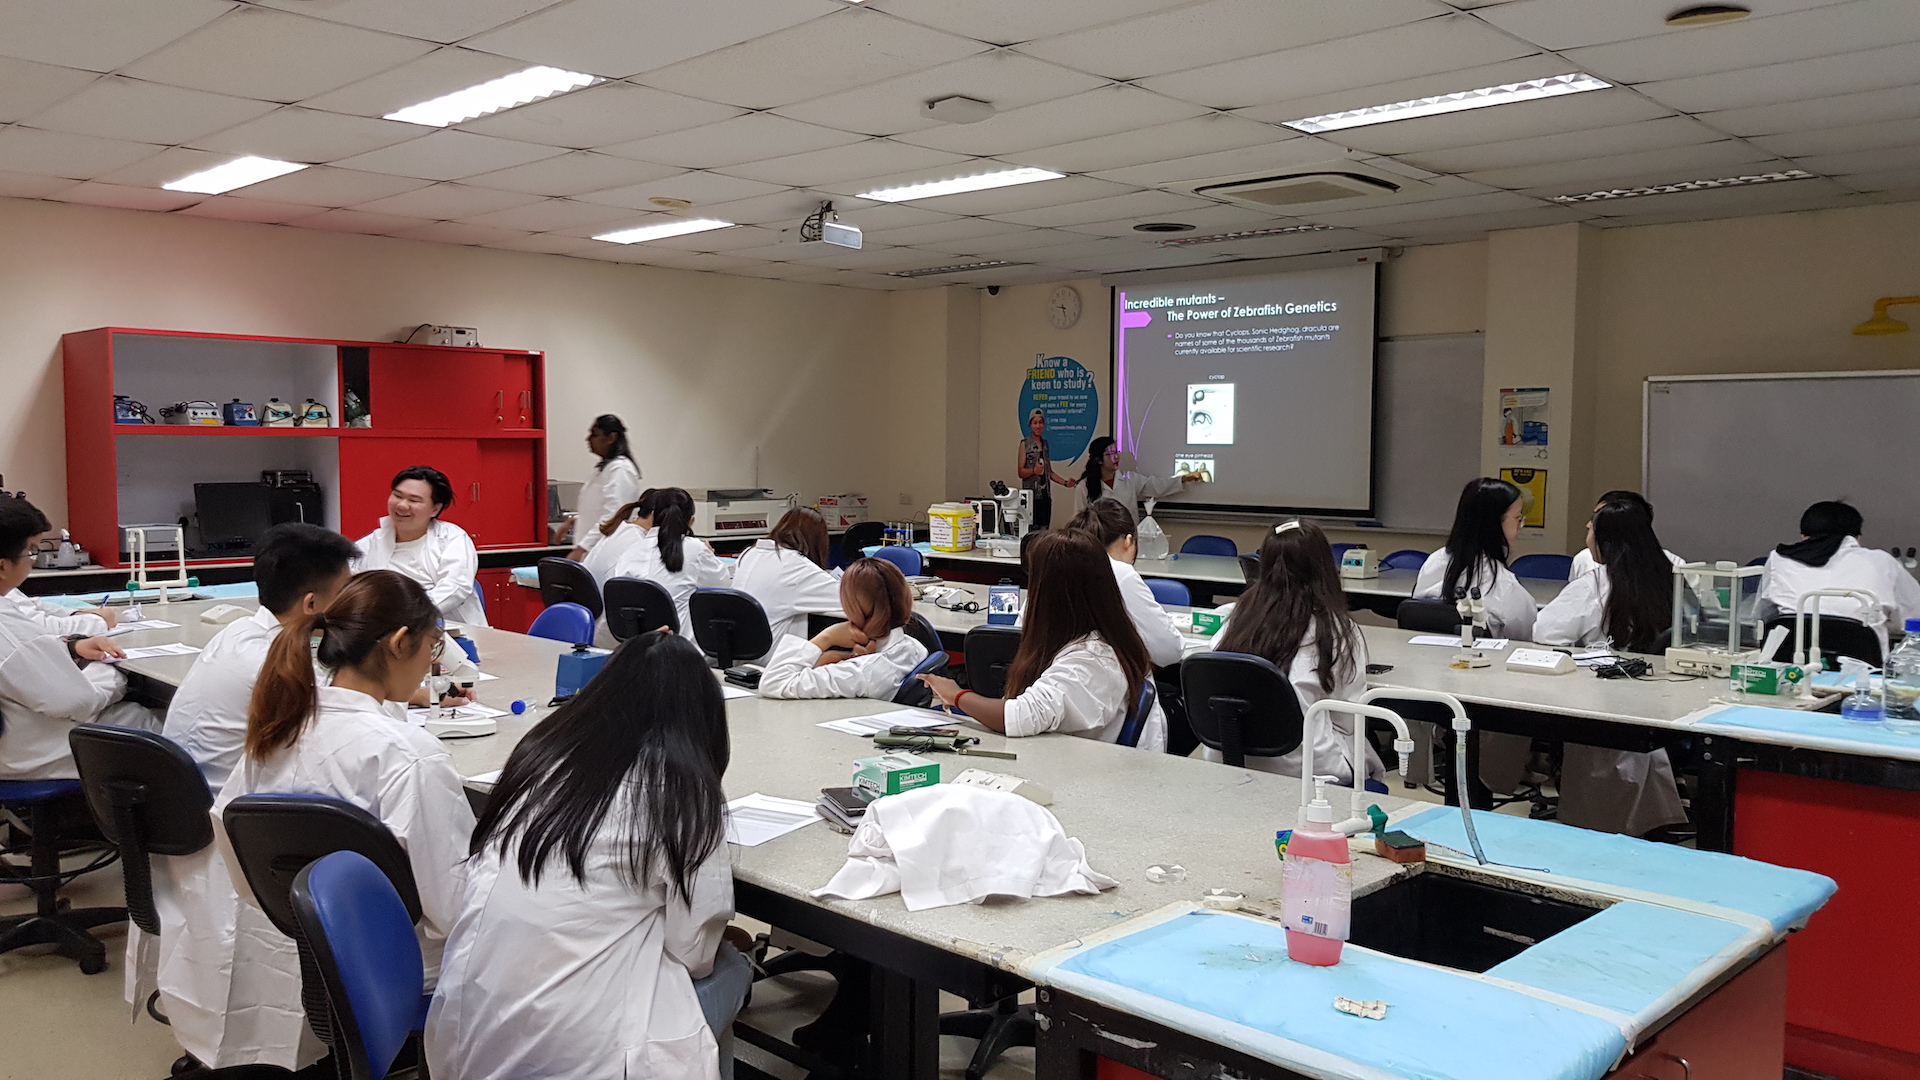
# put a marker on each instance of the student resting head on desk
(659, 546)
(787, 572)
(868, 655)
(590, 939)
(1830, 556)
(1107, 521)
(1484, 526)
(413, 541)
(614, 483)
(1081, 664)
(348, 740)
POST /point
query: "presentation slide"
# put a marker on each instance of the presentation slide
(1262, 385)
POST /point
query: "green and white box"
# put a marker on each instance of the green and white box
(891, 774)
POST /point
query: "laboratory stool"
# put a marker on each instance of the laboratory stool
(53, 922)
(1004, 1025)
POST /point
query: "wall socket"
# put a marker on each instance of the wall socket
(906, 499)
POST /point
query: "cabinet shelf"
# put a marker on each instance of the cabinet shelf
(323, 433)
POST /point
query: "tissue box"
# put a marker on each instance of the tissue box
(1767, 678)
(1208, 623)
(574, 669)
(891, 774)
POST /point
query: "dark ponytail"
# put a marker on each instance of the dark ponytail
(1091, 477)
(609, 424)
(372, 606)
(672, 511)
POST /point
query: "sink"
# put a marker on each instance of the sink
(1459, 922)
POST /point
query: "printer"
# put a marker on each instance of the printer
(722, 512)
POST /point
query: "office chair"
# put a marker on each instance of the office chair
(66, 929)
(563, 581)
(912, 691)
(909, 560)
(1250, 566)
(1428, 616)
(860, 535)
(1241, 706)
(566, 622)
(1340, 550)
(1169, 593)
(636, 606)
(729, 625)
(1405, 559)
(1136, 720)
(1548, 567)
(147, 797)
(1839, 636)
(990, 651)
(368, 959)
(920, 628)
(1208, 544)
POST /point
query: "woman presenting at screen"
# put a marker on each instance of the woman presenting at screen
(1103, 479)
(1036, 469)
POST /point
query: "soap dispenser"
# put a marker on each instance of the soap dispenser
(1861, 704)
(1316, 897)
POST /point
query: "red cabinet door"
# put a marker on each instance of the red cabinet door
(504, 507)
(367, 467)
(437, 390)
(518, 392)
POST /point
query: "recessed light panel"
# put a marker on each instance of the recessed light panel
(958, 185)
(1685, 185)
(1246, 234)
(1504, 94)
(662, 230)
(952, 268)
(237, 173)
(505, 92)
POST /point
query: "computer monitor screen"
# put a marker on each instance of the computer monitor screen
(232, 516)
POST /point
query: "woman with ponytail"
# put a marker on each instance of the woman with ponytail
(327, 719)
(660, 546)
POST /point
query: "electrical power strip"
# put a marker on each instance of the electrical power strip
(1540, 662)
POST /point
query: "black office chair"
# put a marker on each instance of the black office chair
(990, 651)
(1428, 616)
(1136, 720)
(920, 628)
(147, 797)
(636, 606)
(563, 581)
(1838, 637)
(1250, 566)
(730, 625)
(912, 691)
(1241, 705)
(860, 534)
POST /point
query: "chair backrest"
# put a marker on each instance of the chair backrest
(1838, 637)
(914, 692)
(920, 628)
(1428, 616)
(1208, 544)
(1405, 559)
(909, 560)
(990, 651)
(1241, 705)
(1340, 550)
(1136, 720)
(1169, 592)
(860, 534)
(369, 959)
(636, 606)
(1250, 566)
(480, 594)
(1550, 567)
(729, 625)
(563, 581)
(148, 797)
(565, 621)
(276, 836)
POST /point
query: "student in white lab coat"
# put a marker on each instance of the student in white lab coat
(1485, 523)
(1108, 521)
(1081, 664)
(1830, 556)
(589, 942)
(660, 547)
(868, 655)
(413, 541)
(787, 572)
(1583, 560)
(48, 682)
(1102, 479)
(1290, 609)
(615, 482)
(235, 997)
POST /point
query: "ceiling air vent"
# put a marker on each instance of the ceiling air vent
(1298, 189)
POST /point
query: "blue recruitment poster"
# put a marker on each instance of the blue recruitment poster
(1068, 402)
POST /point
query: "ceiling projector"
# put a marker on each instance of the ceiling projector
(825, 226)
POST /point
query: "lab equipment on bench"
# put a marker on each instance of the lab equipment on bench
(277, 413)
(736, 511)
(141, 555)
(1716, 618)
(191, 413)
(1861, 704)
(311, 413)
(1150, 541)
(575, 669)
(1541, 662)
(1473, 622)
(128, 411)
(1358, 562)
(952, 526)
(237, 413)
(1809, 657)
(1902, 682)
(1003, 604)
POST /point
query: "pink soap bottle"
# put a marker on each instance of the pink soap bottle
(1316, 892)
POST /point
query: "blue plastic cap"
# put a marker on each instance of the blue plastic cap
(518, 707)
(1913, 626)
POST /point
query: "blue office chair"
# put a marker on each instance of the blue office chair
(567, 622)
(1405, 559)
(1241, 705)
(563, 581)
(367, 957)
(1209, 544)
(909, 560)
(1136, 720)
(912, 691)
(920, 628)
(636, 606)
(1760, 561)
(990, 651)
(1169, 593)
(729, 625)
(1548, 567)
(1340, 550)
(66, 929)
(480, 594)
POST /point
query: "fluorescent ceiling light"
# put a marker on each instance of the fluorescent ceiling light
(953, 268)
(1246, 234)
(491, 96)
(1506, 93)
(982, 182)
(237, 173)
(1685, 185)
(676, 227)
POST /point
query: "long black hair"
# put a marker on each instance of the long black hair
(1639, 578)
(1072, 593)
(1107, 520)
(650, 730)
(609, 424)
(1092, 477)
(1478, 535)
(672, 512)
(1298, 591)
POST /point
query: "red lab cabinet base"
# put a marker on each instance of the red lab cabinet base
(509, 606)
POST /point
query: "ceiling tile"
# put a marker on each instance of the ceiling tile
(875, 257)
(874, 157)
(1839, 140)
(98, 35)
(703, 189)
(1106, 110)
(1591, 142)
(295, 134)
(782, 208)
(1459, 224)
(1253, 159)
(455, 232)
(1872, 69)
(784, 67)
(873, 215)
(1009, 200)
(229, 208)
(573, 174)
(1893, 103)
(602, 116)
(1006, 80)
(1667, 166)
(165, 167)
(440, 202)
(358, 221)
(57, 153)
(1502, 123)
(1139, 205)
(1570, 24)
(546, 243)
(1891, 180)
(1207, 218)
(1863, 161)
(1005, 22)
(1182, 138)
(752, 137)
(731, 241)
(1820, 31)
(552, 215)
(449, 155)
(27, 87)
(15, 185)
(328, 185)
(95, 193)
(1024, 243)
(1208, 33)
(119, 108)
(439, 72)
(1378, 217)
(273, 56)
(618, 38)
(1722, 202)
(434, 20)
(951, 229)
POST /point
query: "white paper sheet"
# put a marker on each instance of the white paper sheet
(144, 624)
(486, 779)
(464, 712)
(729, 693)
(755, 819)
(864, 726)
(1452, 641)
(174, 649)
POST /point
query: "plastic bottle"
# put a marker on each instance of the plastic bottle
(1150, 541)
(1902, 696)
(1862, 704)
(1316, 898)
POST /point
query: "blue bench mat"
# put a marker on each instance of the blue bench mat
(1630, 957)
(1825, 730)
(239, 590)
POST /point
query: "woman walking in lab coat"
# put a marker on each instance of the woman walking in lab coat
(787, 572)
(868, 655)
(240, 1004)
(614, 483)
(1485, 523)
(413, 541)
(589, 944)
(1102, 479)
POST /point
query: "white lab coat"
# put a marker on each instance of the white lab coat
(1851, 567)
(55, 619)
(1149, 618)
(229, 981)
(43, 694)
(788, 585)
(610, 486)
(1578, 615)
(1083, 692)
(1332, 742)
(208, 714)
(448, 565)
(790, 673)
(635, 552)
(566, 981)
(1510, 608)
(1129, 490)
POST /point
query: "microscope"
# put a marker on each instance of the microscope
(1473, 621)
(1010, 510)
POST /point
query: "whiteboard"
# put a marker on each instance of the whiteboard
(1730, 461)
(1427, 424)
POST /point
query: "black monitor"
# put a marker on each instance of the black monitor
(232, 516)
